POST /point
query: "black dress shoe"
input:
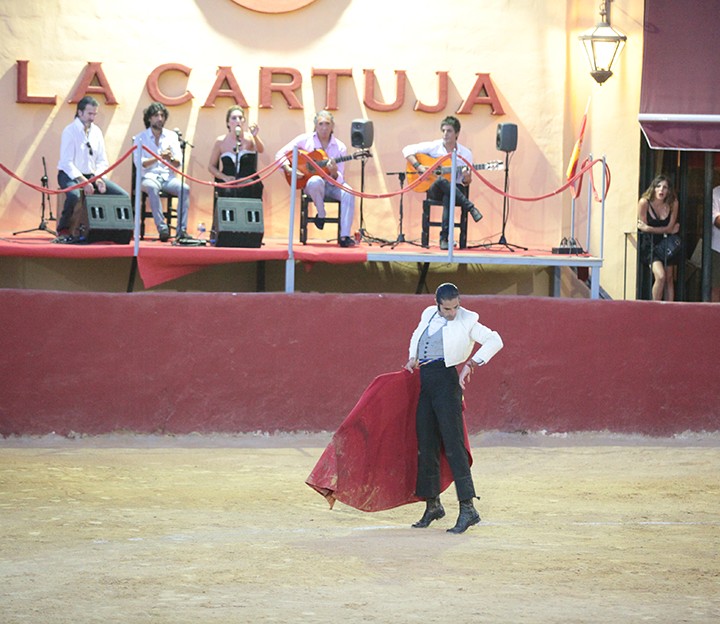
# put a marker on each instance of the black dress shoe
(346, 241)
(475, 214)
(467, 517)
(433, 511)
(319, 222)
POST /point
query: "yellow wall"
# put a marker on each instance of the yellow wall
(530, 50)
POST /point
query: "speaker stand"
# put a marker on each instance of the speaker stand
(502, 242)
(364, 236)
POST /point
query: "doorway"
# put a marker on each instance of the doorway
(693, 174)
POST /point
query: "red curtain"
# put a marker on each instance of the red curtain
(680, 97)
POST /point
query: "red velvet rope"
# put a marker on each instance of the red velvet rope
(266, 172)
(585, 167)
(238, 183)
(49, 191)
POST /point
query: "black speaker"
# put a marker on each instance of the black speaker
(239, 222)
(361, 133)
(110, 218)
(507, 137)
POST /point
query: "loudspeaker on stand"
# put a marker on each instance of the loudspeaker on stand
(507, 136)
(361, 133)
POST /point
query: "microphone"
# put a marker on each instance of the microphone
(238, 131)
(180, 137)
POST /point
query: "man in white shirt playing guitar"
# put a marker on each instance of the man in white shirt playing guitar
(440, 188)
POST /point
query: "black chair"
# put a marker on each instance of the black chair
(305, 202)
(427, 221)
(169, 213)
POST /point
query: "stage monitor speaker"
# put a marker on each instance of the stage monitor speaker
(507, 137)
(239, 222)
(361, 133)
(110, 218)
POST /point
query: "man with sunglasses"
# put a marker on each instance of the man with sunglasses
(82, 157)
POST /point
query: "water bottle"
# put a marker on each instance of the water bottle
(201, 230)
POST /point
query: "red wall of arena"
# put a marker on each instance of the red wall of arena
(176, 363)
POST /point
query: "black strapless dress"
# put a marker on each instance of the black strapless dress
(242, 167)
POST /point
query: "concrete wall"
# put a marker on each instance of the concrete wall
(177, 363)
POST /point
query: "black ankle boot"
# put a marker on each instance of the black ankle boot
(433, 511)
(467, 518)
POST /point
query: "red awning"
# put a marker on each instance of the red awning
(680, 93)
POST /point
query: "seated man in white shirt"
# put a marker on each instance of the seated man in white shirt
(82, 157)
(156, 175)
(440, 188)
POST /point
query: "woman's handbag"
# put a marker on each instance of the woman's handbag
(668, 248)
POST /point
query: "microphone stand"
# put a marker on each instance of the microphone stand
(401, 237)
(238, 143)
(43, 223)
(182, 237)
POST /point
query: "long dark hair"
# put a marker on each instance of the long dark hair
(649, 194)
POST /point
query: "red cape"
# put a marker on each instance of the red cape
(371, 461)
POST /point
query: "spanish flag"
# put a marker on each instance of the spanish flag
(575, 156)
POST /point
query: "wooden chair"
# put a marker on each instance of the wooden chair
(169, 213)
(427, 221)
(305, 202)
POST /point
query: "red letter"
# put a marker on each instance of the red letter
(225, 75)
(153, 86)
(22, 88)
(93, 72)
(483, 85)
(286, 89)
(331, 99)
(369, 98)
(442, 96)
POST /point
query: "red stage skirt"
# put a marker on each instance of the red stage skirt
(371, 461)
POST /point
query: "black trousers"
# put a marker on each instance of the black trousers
(440, 191)
(439, 424)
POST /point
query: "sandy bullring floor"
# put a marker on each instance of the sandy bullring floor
(203, 529)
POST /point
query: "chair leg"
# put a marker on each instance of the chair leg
(142, 220)
(463, 228)
(425, 236)
(303, 221)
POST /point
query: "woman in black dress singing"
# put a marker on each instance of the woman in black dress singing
(657, 217)
(234, 155)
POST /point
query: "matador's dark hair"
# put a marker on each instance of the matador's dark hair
(446, 292)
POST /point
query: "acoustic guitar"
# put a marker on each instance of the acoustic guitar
(310, 162)
(445, 172)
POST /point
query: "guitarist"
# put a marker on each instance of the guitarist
(440, 188)
(316, 188)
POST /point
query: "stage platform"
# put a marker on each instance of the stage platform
(158, 263)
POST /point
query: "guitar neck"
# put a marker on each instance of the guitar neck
(478, 167)
(339, 159)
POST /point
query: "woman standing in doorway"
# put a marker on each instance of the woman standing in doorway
(657, 217)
